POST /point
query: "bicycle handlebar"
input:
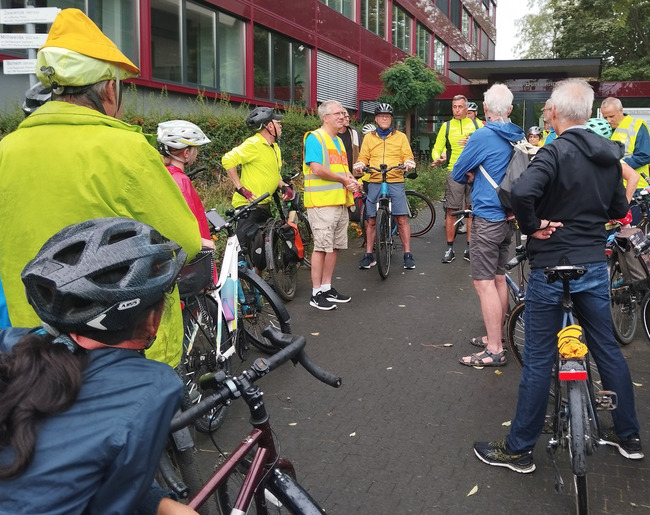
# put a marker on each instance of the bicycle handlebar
(520, 256)
(291, 348)
(234, 214)
(193, 173)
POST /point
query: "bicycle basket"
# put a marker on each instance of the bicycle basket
(197, 274)
(633, 268)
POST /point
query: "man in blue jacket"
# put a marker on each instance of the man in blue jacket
(491, 231)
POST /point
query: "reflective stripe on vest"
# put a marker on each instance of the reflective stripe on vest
(626, 133)
(322, 192)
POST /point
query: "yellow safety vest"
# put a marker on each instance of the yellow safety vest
(626, 133)
(322, 192)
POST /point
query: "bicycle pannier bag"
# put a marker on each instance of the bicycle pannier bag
(292, 241)
(354, 211)
(633, 268)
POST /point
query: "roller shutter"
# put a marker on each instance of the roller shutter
(337, 80)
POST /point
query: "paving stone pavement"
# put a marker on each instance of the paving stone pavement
(397, 436)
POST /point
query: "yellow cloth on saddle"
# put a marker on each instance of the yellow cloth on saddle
(570, 342)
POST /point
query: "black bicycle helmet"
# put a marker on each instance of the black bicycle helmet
(35, 97)
(600, 127)
(101, 274)
(471, 106)
(383, 108)
(260, 117)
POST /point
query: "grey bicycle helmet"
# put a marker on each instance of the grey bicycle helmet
(534, 130)
(35, 97)
(471, 106)
(260, 117)
(101, 274)
(600, 127)
(383, 108)
(369, 127)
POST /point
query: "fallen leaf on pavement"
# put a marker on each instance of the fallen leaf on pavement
(353, 434)
(473, 490)
(507, 423)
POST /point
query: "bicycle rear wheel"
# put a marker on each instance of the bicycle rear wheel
(282, 494)
(623, 304)
(421, 213)
(578, 425)
(645, 316)
(515, 333)
(200, 314)
(283, 272)
(383, 242)
(307, 237)
(259, 306)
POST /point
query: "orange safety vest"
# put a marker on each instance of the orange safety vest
(322, 192)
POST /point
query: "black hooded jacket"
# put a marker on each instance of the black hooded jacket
(576, 180)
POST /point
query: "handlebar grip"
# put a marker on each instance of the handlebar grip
(515, 261)
(187, 417)
(285, 341)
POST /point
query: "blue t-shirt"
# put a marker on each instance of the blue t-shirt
(314, 149)
(4, 313)
(100, 455)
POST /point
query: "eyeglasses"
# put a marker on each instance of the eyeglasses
(339, 113)
(347, 116)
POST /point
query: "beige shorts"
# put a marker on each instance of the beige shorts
(330, 227)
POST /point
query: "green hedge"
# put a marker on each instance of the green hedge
(226, 127)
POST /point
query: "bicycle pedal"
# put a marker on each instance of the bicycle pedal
(606, 400)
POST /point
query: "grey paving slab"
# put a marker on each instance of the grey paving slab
(397, 436)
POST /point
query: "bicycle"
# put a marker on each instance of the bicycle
(281, 261)
(574, 418)
(254, 475)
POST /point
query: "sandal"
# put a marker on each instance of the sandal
(478, 360)
(478, 341)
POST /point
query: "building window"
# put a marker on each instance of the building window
(454, 13)
(439, 52)
(484, 43)
(281, 68)
(401, 29)
(204, 47)
(372, 16)
(491, 49)
(466, 24)
(423, 43)
(443, 5)
(475, 35)
(345, 7)
(453, 56)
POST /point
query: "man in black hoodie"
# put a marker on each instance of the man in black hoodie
(562, 202)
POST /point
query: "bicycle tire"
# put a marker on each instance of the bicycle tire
(645, 316)
(515, 336)
(282, 494)
(578, 442)
(260, 307)
(421, 213)
(283, 272)
(383, 242)
(202, 358)
(622, 305)
(306, 235)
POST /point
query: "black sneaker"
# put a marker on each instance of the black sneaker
(409, 263)
(466, 255)
(332, 295)
(368, 261)
(498, 455)
(628, 447)
(320, 302)
(449, 256)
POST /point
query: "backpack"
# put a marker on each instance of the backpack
(522, 154)
(293, 242)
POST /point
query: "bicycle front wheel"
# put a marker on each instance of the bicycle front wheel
(383, 242)
(622, 304)
(515, 337)
(259, 306)
(282, 494)
(578, 442)
(645, 316)
(421, 213)
(283, 271)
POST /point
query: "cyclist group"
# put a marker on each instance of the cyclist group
(101, 287)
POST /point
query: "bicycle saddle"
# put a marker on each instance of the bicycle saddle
(564, 272)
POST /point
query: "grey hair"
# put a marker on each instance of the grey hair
(573, 100)
(83, 97)
(612, 102)
(324, 108)
(460, 97)
(498, 100)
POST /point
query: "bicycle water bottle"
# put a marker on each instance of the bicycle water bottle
(228, 299)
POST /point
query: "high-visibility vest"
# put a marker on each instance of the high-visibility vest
(322, 192)
(626, 133)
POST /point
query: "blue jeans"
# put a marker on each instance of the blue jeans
(542, 321)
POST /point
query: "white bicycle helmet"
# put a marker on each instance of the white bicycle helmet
(179, 134)
(369, 127)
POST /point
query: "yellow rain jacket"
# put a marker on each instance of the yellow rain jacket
(66, 164)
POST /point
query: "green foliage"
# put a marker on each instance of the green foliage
(9, 121)
(409, 84)
(616, 30)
